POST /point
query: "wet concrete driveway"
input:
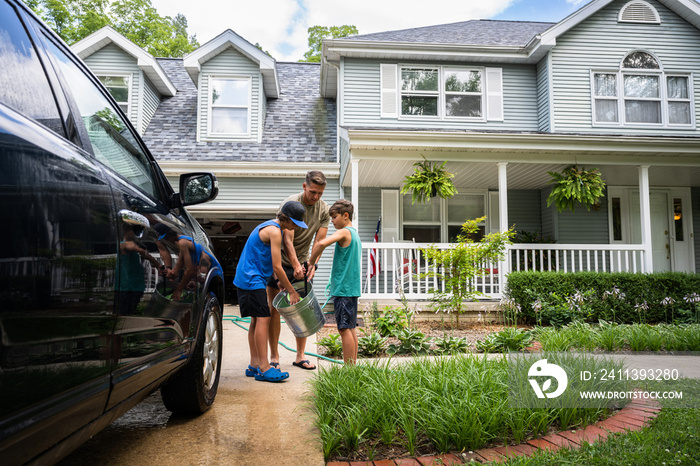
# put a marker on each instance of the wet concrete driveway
(250, 422)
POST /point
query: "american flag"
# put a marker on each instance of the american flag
(374, 267)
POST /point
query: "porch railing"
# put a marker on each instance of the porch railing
(404, 269)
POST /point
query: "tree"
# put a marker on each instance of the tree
(318, 33)
(137, 20)
(458, 266)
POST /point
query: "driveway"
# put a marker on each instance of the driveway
(251, 423)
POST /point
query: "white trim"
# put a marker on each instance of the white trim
(268, 66)
(643, 8)
(620, 73)
(550, 91)
(146, 62)
(441, 93)
(249, 169)
(129, 87)
(210, 106)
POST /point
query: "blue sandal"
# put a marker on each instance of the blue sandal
(271, 375)
(251, 371)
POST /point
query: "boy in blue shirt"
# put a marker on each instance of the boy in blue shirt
(346, 281)
(261, 256)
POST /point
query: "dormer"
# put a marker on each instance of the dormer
(234, 79)
(133, 77)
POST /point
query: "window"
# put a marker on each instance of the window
(230, 106)
(113, 143)
(442, 92)
(463, 93)
(118, 86)
(23, 84)
(641, 94)
(419, 91)
(441, 220)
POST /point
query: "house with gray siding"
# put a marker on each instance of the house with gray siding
(611, 87)
(504, 103)
(257, 124)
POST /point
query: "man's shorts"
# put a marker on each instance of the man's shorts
(253, 303)
(345, 311)
(289, 271)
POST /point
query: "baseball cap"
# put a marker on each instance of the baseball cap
(295, 211)
(162, 230)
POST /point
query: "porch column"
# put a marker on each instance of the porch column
(645, 217)
(355, 191)
(502, 197)
(503, 266)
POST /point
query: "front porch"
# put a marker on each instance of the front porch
(404, 271)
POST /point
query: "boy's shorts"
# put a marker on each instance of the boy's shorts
(253, 303)
(345, 311)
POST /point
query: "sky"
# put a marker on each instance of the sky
(281, 26)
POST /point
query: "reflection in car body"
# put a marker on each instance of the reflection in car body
(89, 320)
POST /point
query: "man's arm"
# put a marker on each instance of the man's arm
(288, 241)
(320, 236)
(274, 236)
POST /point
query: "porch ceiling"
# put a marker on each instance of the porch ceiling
(484, 175)
(387, 156)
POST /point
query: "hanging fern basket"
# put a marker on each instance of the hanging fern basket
(427, 181)
(573, 186)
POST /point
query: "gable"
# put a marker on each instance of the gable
(600, 43)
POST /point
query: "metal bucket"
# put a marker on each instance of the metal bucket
(305, 317)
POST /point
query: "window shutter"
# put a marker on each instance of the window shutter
(390, 215)
(389, 82)
(494, 94)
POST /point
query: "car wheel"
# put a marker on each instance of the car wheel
(193, 388)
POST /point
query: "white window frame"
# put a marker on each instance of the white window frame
(211, 106)
(444, 222)
(129, 79)
(436, 93)
(663, 98)
(442, 94)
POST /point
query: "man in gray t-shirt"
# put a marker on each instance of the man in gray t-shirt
(299, 244)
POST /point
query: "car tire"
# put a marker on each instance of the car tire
(193, 388)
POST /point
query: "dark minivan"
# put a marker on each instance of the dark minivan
(109, 289)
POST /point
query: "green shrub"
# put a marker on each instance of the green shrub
(449, 344)
(332, 344)
(508, 339)
(372, 344)
(410, 342)
(616, 297)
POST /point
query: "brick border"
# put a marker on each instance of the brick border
(635, 416)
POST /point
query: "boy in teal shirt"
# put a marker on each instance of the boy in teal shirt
(346, 281)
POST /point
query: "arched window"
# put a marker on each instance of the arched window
(641, 93)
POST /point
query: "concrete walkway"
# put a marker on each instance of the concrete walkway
(268, 420)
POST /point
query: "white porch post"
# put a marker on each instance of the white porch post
(645, 217)
(503, 218)
(355, 191)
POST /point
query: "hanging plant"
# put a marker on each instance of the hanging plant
(429, 180)
(573, 185)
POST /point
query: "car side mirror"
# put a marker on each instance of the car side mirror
(197, 188)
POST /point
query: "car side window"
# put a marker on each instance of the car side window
(23, 83)
(112, 141)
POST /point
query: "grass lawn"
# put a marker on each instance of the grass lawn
(672, 439)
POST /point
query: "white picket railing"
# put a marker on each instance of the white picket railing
(403, 268)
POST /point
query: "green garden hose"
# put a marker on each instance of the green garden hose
(236, 320)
